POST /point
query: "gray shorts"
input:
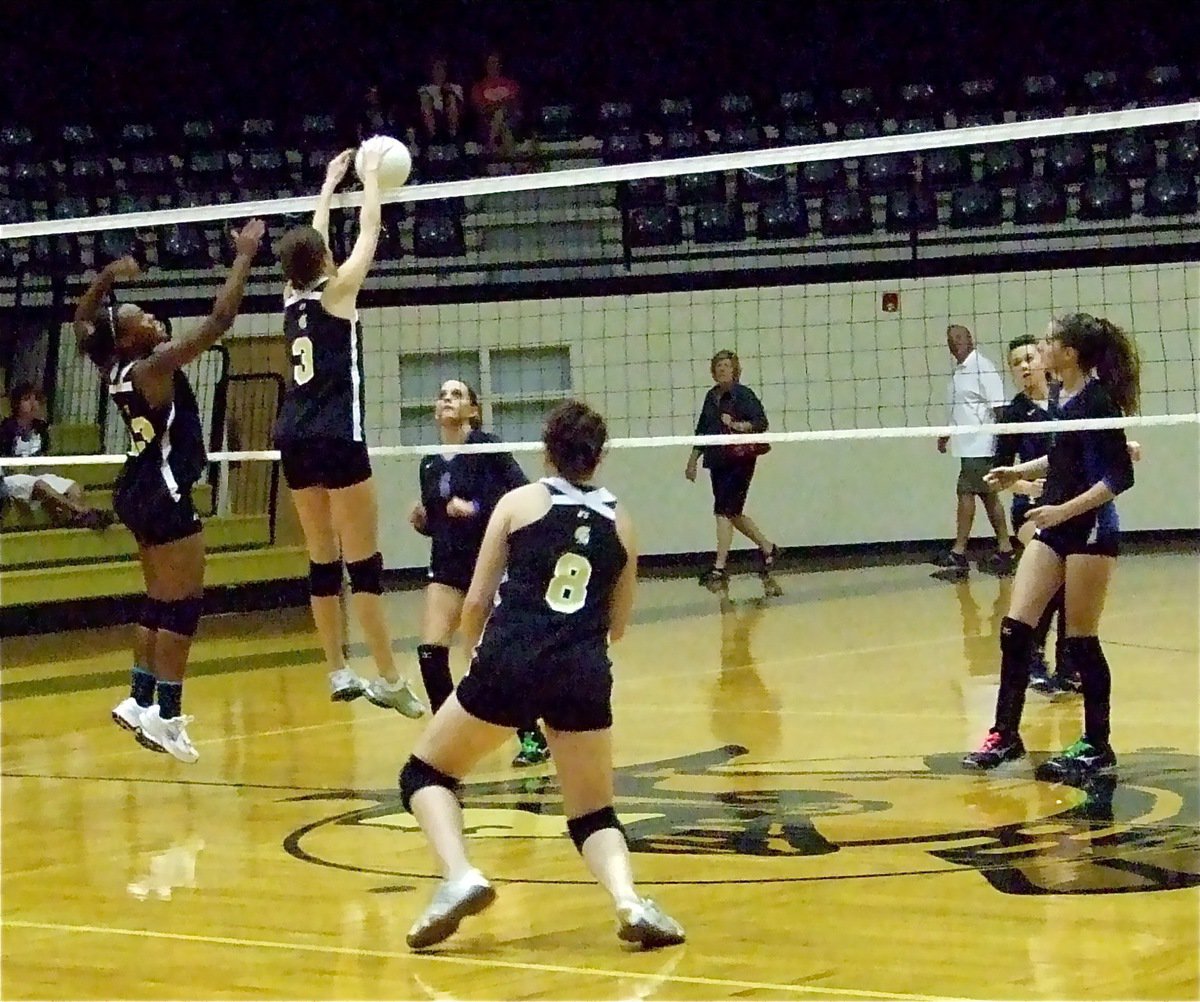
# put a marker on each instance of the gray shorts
(970, 475)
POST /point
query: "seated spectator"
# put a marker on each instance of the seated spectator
(376, 118)
(441, 104)
(25, 434)
(497, 100)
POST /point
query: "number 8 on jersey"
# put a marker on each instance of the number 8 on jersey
(567, 591)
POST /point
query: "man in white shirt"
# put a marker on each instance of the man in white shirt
(975, 392)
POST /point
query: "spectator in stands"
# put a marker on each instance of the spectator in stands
(26, 434)
(976, 392)
(376, 118)
(441, 104)
(497, 100)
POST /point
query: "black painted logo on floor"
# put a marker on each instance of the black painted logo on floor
(771, 822)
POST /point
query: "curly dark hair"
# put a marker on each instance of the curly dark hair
(1103, 346)
(574, 437)
(302, 256)
(100, 343)
(1021, 341)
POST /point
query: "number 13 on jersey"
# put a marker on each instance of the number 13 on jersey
(567, 591)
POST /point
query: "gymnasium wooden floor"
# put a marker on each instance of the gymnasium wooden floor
(788, 778)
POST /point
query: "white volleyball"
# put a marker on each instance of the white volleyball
(395, 166)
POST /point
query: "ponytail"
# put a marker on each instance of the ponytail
(1103, 346)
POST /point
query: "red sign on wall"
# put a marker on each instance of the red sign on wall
(891, 302)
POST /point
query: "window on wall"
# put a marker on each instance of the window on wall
(517, 386)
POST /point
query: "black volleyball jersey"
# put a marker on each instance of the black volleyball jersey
(1081, 459)
(1023, 446)
(324, 398)
(166, 444)
(483, 478)
(560, 577)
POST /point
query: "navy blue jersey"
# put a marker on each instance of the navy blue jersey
(324, 397)
(483, 478)
(1023, 447)
(1081, 459)
(562, 570)
(166, 444)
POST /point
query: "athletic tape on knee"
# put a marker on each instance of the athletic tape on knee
(150, 614)
(418, 774)
(181, 616)
(366, 575)
(325, 580)
(582, 828)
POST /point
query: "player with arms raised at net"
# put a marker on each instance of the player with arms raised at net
(153, 495)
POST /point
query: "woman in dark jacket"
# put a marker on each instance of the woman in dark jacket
(731, 408)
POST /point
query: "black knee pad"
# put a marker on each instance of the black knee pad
(366, 575)
(1016, 639)
(582, 828)
(150, 614)
(418, 774)
(325, 580)
(181, 616)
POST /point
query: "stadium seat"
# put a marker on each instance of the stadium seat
(909, 210)
(653, 226)
(1105, 197)
(700, 189)
(782, 220)
(1131, 154)
(846, 213)
(719, 223)
(976, 205)
(438, 236)
(1068, 159)
(1039, 201)
(1170, 193)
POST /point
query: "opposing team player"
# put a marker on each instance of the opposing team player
(459, 492)
(1074, 546)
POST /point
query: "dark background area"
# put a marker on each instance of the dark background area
(167, 60)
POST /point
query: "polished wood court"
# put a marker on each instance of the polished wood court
(788, 779)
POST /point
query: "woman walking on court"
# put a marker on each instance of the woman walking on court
(153, 494)
(322, 442)
(459, 492)
(562, 554)
(731, 408)
(1074, 546)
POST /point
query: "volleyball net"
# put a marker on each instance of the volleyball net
(831, 266)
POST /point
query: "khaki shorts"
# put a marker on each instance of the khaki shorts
(970, 475)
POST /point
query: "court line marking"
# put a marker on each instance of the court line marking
(514, 965)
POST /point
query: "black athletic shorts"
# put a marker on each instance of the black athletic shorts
(570, 693)
(1021, 503)
(730, 485)
(332, 463)
(1081, 535)
(451, 567)
(154, 517)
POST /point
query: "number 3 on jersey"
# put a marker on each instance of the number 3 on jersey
(302, 360)
(567, 591)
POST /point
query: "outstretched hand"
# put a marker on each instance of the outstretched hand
(372, 157)
(337, 167)
(1001, 477)
(125, 268)
(247, 239)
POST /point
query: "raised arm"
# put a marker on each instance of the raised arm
(176, 353)
(333, 177)
(86, 309)
(353, 271)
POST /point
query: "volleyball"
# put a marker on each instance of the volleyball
(395, 166)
